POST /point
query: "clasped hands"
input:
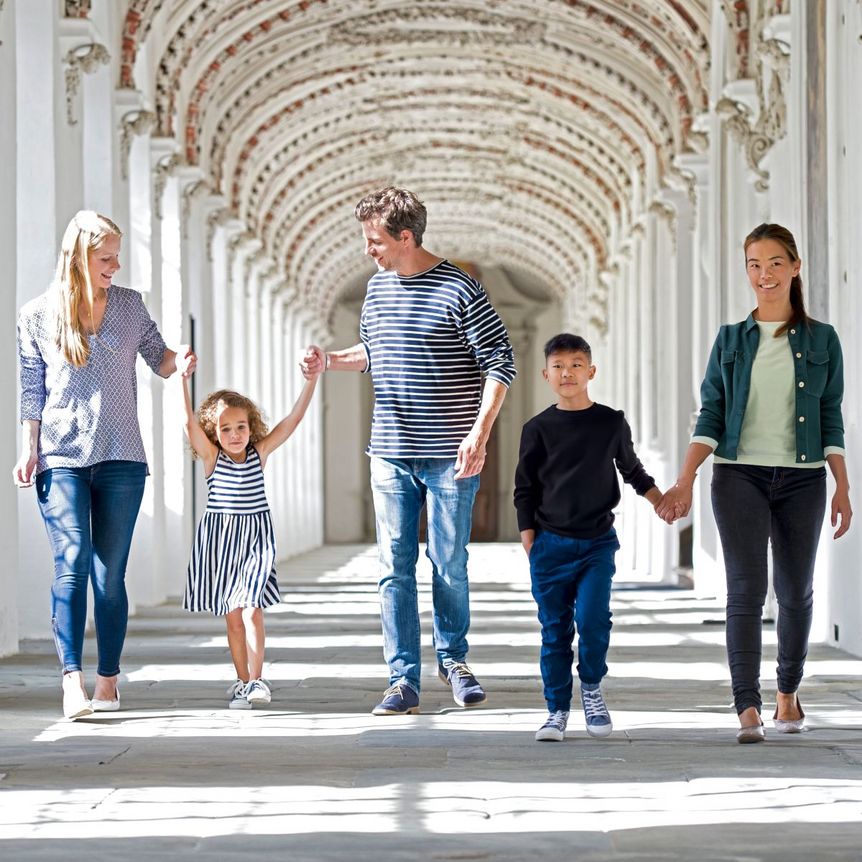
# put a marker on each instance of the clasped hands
(313, 361)
(675, 503)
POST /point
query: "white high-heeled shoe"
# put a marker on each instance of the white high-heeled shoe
(75, 701)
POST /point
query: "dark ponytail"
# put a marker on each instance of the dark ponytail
(785, 238)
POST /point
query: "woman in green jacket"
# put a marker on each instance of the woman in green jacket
(771, 416)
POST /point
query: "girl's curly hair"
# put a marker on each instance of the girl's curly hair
(209, 410)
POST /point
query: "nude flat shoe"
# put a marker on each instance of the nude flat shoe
(752, 733)
(75, 702)
(106, 705)
(794, 725)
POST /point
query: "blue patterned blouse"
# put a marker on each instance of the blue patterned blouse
(88, 414)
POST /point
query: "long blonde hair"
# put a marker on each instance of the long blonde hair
(86, 232)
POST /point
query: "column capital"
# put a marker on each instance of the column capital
(81, 54)
(132, 119)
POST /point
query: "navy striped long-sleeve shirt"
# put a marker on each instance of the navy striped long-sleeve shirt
(429, 339)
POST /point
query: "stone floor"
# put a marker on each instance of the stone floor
(316, 777)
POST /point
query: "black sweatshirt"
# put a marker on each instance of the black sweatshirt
(565, 481)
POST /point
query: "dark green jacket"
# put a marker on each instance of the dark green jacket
(819, 371)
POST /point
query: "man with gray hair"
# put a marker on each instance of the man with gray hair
(441, 364)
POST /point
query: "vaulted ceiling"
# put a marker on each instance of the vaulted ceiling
(533, 129)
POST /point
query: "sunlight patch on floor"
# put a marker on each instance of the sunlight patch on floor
(462, 807)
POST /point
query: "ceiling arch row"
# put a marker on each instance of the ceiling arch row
(562, 117)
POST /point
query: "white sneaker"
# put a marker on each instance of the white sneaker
(258, 692)
(236, 693)
(554, 729)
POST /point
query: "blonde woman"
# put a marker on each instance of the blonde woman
(81, 442)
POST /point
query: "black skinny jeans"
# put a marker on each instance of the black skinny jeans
(753, 505)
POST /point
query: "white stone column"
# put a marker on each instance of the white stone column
(252, 335)
(9, 433)
(293, 484)
(346, 467)
(170, 580)
(628, 325)
(240, 246)
(837, 589)
(278, 407)
(150, 555)
(314, 420)
(222, 333)
(38, 78)
(305, 519)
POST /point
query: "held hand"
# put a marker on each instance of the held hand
(841, 508)
(313, 362)
(675, 504)
(22, 474)
(470, 458)
(187, 361)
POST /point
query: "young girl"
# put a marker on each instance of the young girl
(232, 567)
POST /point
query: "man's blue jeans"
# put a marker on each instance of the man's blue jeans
(571, 581)
(90, 515)
(400, 488)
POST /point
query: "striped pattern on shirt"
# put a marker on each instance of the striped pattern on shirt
(430, 338)
(237, 489)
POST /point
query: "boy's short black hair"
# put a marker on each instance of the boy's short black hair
(565, 342)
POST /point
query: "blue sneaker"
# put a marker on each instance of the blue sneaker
(595, 712)
(554, 728)
(398, 699)
(465, 687)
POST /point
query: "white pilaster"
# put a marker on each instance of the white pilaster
(38, 78)
(8, 308)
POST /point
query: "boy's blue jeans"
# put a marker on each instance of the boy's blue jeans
(400, 488)
(90, 515)
(571, 581)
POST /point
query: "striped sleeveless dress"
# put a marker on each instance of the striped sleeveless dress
(233, 558)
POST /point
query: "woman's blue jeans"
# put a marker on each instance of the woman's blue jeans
(90, 515)
(400, 488)
(571, 583)
(752, 506)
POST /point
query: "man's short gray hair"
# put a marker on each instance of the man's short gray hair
(397, 209)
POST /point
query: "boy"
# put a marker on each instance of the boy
(565, 490)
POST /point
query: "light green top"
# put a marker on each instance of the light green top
(768, 435)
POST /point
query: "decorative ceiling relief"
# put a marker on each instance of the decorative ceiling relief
(76, 8)
(536, 131)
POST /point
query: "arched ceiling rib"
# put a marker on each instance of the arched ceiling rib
(534, 129)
